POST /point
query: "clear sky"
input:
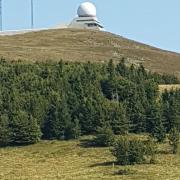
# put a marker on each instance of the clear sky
(155, 22)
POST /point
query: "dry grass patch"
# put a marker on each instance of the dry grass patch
(169, 87)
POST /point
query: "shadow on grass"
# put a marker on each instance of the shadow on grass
(111, 163)
(86, 143)
(121, 172)
(89, 143)
(164, 152)
(17, 145)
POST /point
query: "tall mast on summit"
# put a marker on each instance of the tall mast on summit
(32, 14)
(1, 15)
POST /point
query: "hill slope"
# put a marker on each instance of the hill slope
(85, 45)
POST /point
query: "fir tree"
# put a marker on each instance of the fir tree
(4, 130)
(117, 118)
(154, 122)
(111, 69)
(24, 129)
(48, 128)
(72, 130)
(171, 110)
(104, 136)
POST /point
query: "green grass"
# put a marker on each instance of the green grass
(71, 160)
(86, 45)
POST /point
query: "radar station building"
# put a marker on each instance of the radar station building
(87, 18)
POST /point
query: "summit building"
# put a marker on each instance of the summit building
(87, 18)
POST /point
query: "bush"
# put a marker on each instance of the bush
(151, 149)
(174, 140)
(136, 151)
(121, 151)
(128, 152)
(104, 137)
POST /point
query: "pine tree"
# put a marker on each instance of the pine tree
(4, 130)
(72, 130)
(48, 126)
(117, 118)
(24, 128)
(129, 152)
(174, 112)
(57, 118)
(122, 69)
(104, 136)
(137, 118)
(34, 130)
(166, 116)
(121, 151)
(154, 122)
(111, 69)
(63, 119)
(171, 110)
(87, 116)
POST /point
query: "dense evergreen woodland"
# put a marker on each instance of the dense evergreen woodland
(65, 100)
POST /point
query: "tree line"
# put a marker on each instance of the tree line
(61, 100)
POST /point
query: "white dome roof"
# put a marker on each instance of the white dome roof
(86, 9)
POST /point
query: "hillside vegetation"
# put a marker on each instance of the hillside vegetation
(86, 45)
(65, 100)
(96, 104)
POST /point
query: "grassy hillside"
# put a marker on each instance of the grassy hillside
(84, 45)
(71, 160)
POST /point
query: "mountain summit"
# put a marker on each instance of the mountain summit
(86, 45)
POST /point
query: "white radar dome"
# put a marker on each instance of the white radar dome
(86, 9)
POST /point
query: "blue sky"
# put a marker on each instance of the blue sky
(155, 22)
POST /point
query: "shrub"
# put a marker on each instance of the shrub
(136, 151)
(151, 149)
(121, 151)
(104, 137)
(128, 152)
(174, 139)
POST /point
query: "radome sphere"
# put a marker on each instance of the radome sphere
(86, 9)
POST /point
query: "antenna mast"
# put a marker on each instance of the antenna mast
(1, 15)
(32, 14)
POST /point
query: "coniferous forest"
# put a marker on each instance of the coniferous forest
(64, 100)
